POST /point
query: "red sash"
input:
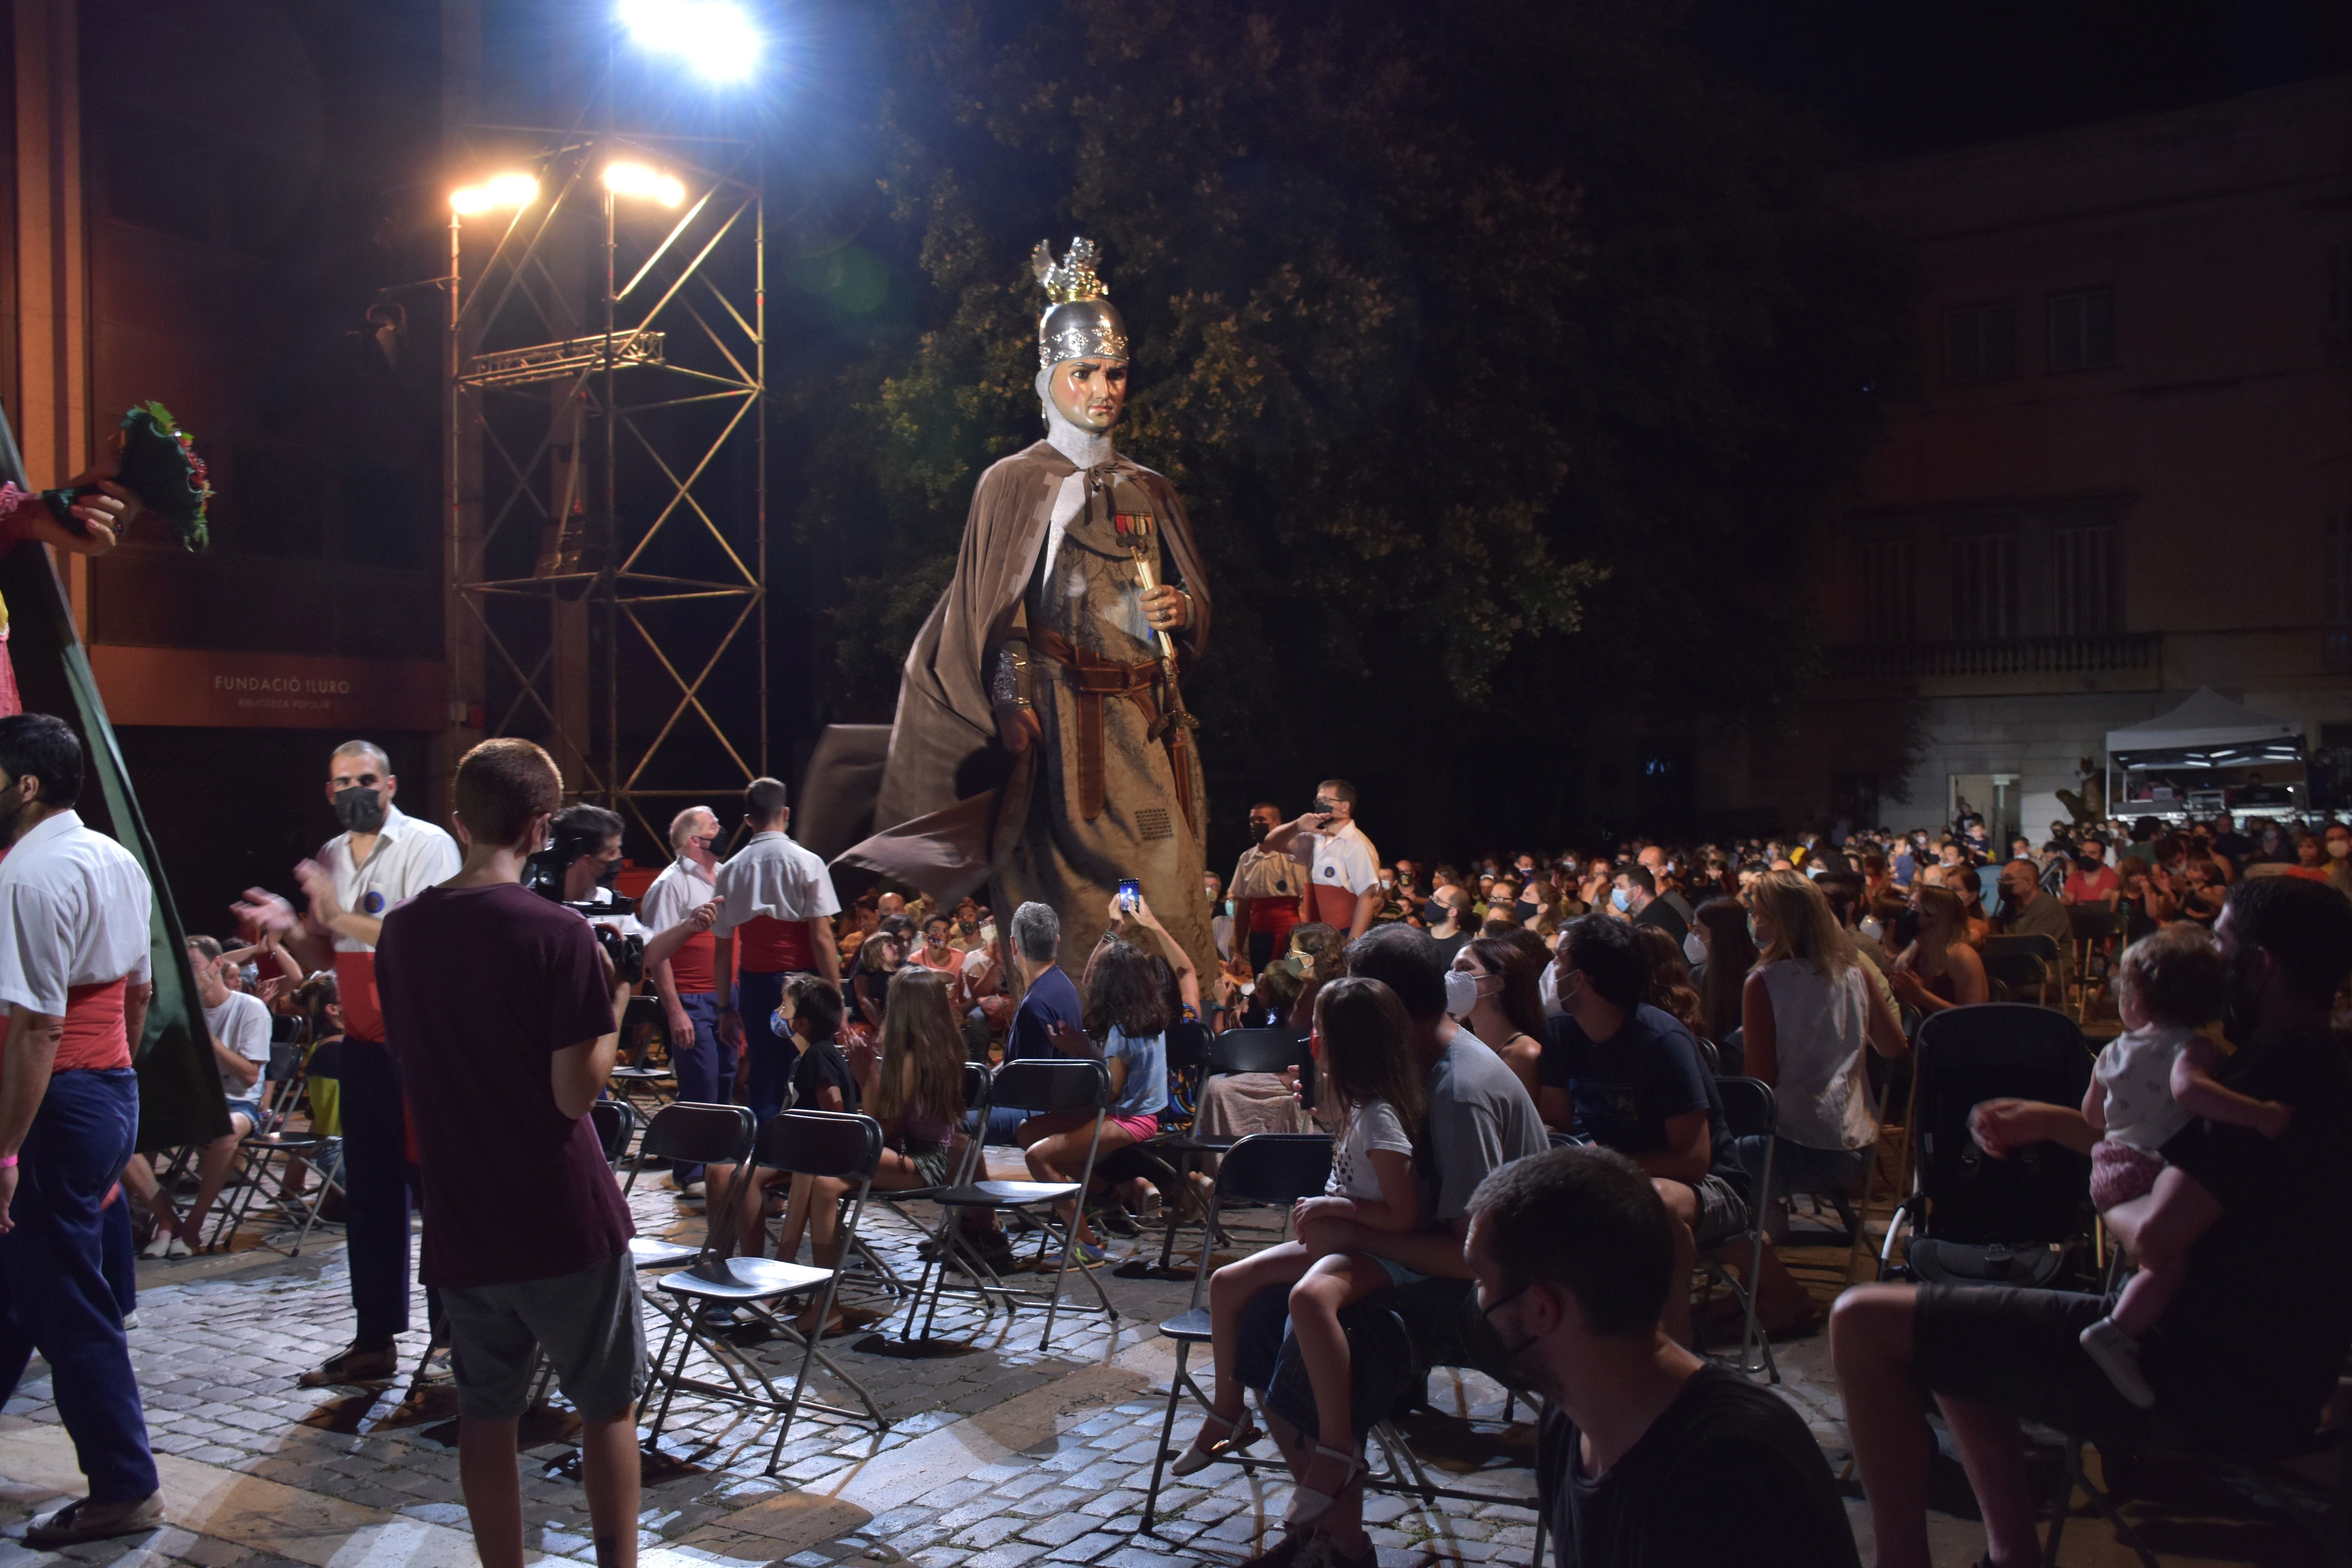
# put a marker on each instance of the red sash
(690, 966)
(355, 990)
(770, 946)
(94, 1038)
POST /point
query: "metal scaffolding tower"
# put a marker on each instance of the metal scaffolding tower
(607, 502)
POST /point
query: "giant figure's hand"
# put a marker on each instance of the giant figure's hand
(1018, 728)
(1166, 609)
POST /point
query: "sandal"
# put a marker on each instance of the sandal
(1307, 1504)
(1240, 1433)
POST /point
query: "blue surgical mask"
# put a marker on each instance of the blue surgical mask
(1620, 899)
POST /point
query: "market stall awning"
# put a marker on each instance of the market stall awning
(2207, 731)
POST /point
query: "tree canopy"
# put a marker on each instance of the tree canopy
(1507, 364)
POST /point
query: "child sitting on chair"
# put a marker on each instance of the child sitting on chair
(1364, 1044)
(2149, 1083)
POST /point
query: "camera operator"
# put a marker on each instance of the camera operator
(495, 989)
(775, 906)
(383, 858)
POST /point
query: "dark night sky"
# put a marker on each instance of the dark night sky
(1892, 76)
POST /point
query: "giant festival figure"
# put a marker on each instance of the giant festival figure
(1041, 745)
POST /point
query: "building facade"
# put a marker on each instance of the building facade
(2129, 475)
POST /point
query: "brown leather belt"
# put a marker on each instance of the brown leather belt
(1094, 678)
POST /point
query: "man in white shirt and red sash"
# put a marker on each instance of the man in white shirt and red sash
(75, 919)
(1343, 882)
(776, 905)
(385, 858)
(688, 980)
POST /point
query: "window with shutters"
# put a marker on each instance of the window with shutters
(2088, 580)
(2083, 330)
(1984, 587)
(1889, 587)
(1981, 343)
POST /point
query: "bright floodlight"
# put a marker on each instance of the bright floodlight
(638, 180)
(499, 191)
(716, 39)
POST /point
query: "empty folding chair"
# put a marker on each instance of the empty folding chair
(1277, 1168)
(1041, 1088)
(819, 1143)
(616, 1121)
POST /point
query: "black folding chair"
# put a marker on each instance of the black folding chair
(1234, 1051)
(820, 1143)
(281, 1086)
(1042, 1087)
(1277, 1168)
(1749, 1111)
(2023, 963)
(701, 1135)
(616, 1121)
(1971, 1219)
(645, 1033)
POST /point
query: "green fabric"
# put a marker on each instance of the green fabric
(180, 1098)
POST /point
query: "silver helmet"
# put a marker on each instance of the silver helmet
(1080, 321)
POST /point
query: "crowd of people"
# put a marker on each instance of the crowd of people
(1521, 1064)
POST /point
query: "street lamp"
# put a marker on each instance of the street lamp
(639, 179)
(716, 39)
(499, 190)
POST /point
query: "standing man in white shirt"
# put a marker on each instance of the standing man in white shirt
(239, 1024)
(383, 858)
(74, 974)
(1343, 878)
(776, 905)
(688, 980)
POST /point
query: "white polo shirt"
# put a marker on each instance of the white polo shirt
(775, 877)
(408, 857)
(75, 910)
(682, 887)
(1342, 861)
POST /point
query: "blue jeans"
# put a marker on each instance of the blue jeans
(53, 1280)
(704, 1064)
(770, 1058)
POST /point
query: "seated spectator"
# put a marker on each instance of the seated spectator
(2336, 841)
(2093, 882)
(1939, 969)
(1808, 1012)
(1126, 1017)
(1479, 1119)
(239, 1025)
(1646, 1454)
(1635, 898)
(822, 1080)
(1968, 883)
(1670, 988)
(869, 978)
(1490, 990)
(2310, 858)
(1451, 931)
(1719, 973)
(1629, 1077)
(2242, 1361)
(935, 953)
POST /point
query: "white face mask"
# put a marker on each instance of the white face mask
(1871, 928)
(1461, 992)
(2337, 848)
(1548, 991)
(1694, 947)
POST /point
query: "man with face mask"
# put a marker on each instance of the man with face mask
(382, 858)
(688, 981)
(2246, 1356)
(1343, 881)
(1647, 1453)
(75, 973)
(1041, 744)
(1267, 888)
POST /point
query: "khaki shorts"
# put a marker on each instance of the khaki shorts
(589, 1324)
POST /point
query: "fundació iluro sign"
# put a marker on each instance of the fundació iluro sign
(261, 690)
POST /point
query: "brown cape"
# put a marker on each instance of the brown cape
(952, 801)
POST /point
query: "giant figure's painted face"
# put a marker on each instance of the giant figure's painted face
(1090, 393)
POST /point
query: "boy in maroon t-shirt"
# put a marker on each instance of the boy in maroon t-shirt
(503, 1008)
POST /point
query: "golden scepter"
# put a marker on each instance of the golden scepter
(1144, 546)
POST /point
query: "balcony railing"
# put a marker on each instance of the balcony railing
(2126, 653)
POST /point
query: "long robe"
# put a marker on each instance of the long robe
(956, 811)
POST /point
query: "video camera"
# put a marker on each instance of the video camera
(544, 873)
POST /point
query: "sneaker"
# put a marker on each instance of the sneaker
(166, 1245)
(129, 1322)
(2117, 1355)
(1085, 1255)
(86, 1521)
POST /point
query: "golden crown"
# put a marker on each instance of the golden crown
(1073, 278)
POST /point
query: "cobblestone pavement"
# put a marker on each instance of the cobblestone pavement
(999, 1456)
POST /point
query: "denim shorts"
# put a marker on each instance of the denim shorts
(248, 1108)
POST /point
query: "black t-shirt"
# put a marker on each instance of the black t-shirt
(2235, 844)
(820, 1066)
(2257, 1338)
(1629, 1087)
(1727, 1474)
(1447, 946)
(1666, 917)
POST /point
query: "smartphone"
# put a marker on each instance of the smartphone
(1131, 894)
